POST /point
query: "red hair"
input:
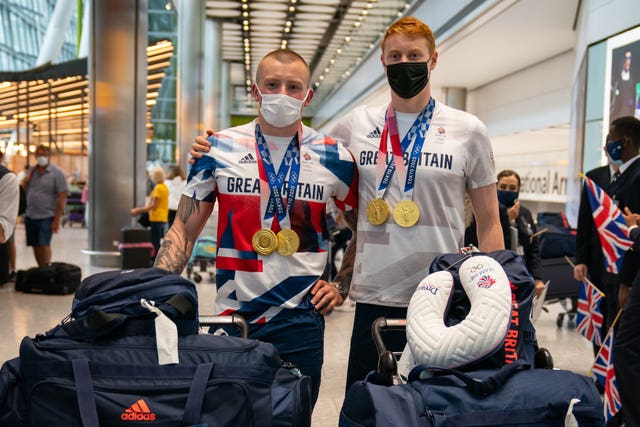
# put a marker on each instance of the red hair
(412, 27)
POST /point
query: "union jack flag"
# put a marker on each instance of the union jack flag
(588, 316)
(604, 373)
(612, 230)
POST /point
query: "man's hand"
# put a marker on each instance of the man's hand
(623, 295)
(514, 211)
(539, 284)
(201, 145)
(630, 218)
(325, 297)
(55, 224)
(580, 272)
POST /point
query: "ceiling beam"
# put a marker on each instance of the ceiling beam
(336, 20)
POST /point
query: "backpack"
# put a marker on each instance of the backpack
(520, 342)
(108, 304)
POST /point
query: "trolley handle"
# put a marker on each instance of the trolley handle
(382, 324)
(232, 320)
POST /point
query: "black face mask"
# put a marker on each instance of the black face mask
(407, 79)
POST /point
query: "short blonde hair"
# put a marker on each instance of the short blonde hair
(286, 56)
(412, 27)
(157, 175)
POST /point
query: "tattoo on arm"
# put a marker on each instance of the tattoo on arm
(186, 208)
(172, 255)
(177, 243)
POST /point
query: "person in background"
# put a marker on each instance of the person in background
(626, 347)
(176, 180)
(623, 90)
(528, 243)
(158, 208)
(46, 188)
(589, 260)
(272, 179)
(623, 146)
(9, 201)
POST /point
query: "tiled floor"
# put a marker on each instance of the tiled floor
(27, 314)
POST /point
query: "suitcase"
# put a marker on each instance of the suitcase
(56, 278)
(135, 248)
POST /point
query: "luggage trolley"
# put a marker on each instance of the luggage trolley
(232, 320)
(74, 210)
(388, 360)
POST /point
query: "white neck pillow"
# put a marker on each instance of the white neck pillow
(431, 342)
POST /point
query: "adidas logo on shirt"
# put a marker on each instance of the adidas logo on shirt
(139, 411)
(375, 133)
(247, 159)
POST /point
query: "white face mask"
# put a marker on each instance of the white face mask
(281, 110)
(42, 161)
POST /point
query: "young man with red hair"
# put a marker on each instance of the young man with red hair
(409, 216)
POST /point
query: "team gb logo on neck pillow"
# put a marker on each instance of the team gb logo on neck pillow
(431, 342)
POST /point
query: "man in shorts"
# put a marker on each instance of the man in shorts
(46, 189)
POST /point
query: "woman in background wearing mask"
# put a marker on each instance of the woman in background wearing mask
(513, 214)
(528, 244)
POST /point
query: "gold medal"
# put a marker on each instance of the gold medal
(288, 242)
(377, 211)
(406, 213)
(264, 241)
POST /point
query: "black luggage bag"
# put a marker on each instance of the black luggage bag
(56, 278)
(135, 248)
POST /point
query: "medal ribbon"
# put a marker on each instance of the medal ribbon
(417, 133)
(290, 164)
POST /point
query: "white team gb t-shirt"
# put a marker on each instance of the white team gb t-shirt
(456, 156)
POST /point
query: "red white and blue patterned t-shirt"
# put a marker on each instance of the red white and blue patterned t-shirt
(264, 287)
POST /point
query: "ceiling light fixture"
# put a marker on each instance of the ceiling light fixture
(246, 36)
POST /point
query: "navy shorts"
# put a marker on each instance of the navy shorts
(38, 231)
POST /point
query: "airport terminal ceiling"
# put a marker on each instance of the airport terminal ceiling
(332, 35)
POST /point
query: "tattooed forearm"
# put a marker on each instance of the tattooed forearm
(173, 253)
(187, 207)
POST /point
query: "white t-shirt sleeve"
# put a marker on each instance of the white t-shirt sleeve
(201, 183)
(341, 131)
(10, 197)
(480, 162)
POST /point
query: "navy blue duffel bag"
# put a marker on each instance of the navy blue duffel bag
(101, 366)
(220, 381)
(513, 395)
